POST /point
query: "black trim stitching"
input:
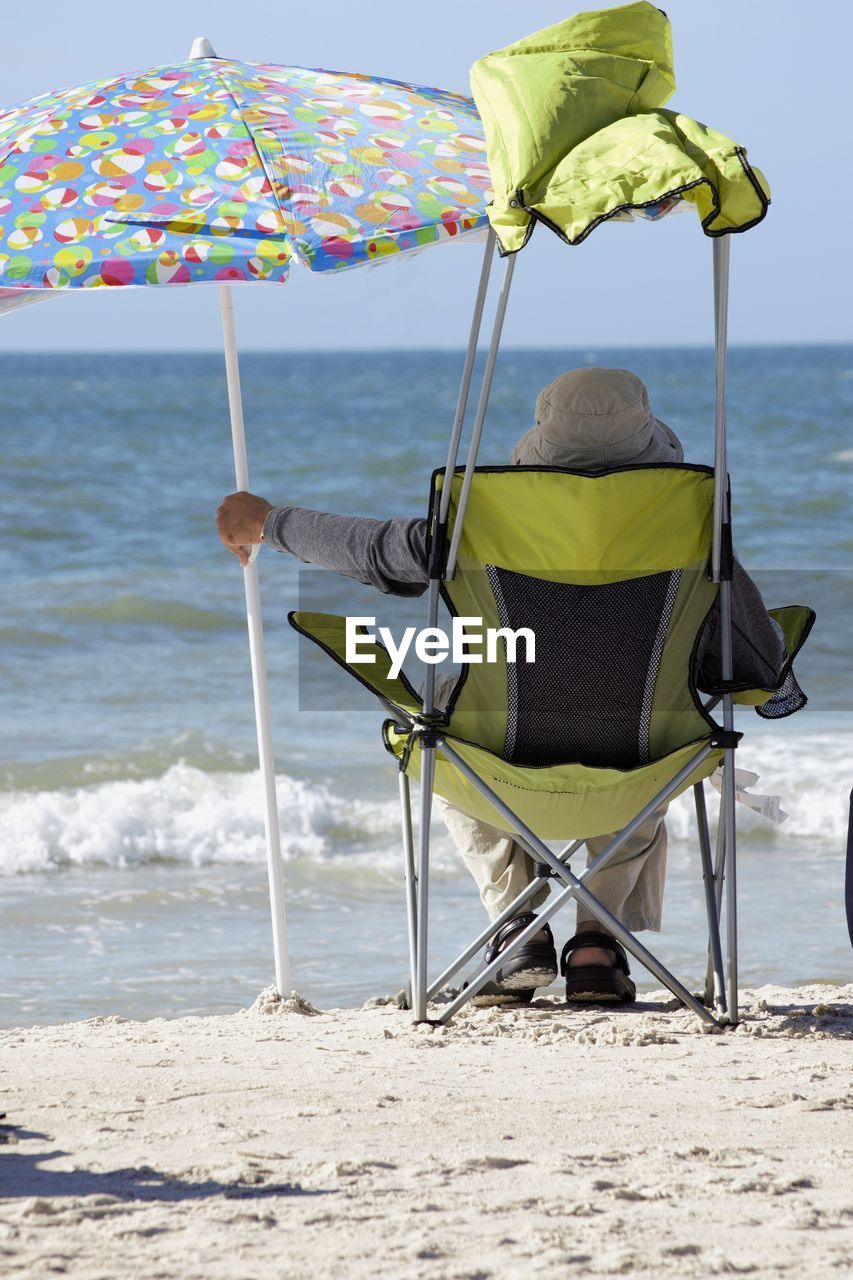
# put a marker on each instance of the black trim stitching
(693, 667)
(511, 468)
(653, 672)
(739, 152)
(386, 702)
(533, 768)
(511, 674)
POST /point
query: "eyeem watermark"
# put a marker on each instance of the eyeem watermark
(432, 644)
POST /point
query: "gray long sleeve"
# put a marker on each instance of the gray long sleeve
(387, 554)
(391, 556)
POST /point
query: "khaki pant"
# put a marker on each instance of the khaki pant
(630, 885)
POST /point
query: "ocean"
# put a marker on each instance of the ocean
(132, 869)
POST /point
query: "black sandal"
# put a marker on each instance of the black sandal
(597, 983)
(532, 966)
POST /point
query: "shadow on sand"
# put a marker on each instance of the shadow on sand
(22, 1176)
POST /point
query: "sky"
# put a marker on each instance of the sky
(771, 74)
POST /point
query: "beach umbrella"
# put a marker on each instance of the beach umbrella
(217, 170)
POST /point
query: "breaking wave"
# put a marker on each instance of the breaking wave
(196, 815)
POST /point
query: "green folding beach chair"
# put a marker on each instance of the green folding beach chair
(615, 573)
(612, 574)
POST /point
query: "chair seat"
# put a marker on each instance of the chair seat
(560, 801)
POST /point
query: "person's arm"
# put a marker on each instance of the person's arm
(387, 554)
(758, 648)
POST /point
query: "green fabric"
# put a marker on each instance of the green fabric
(624, 524)
(558, 802)
(575, 133)
(664, 522)
(329, 632)
(795, 621)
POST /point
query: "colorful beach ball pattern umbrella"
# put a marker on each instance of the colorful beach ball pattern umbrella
(220, 170)
(213, 170)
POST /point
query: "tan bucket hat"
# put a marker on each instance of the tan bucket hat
(593, 419)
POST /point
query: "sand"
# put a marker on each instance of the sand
(517, 1142)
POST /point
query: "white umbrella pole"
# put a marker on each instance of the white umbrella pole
(259, 666)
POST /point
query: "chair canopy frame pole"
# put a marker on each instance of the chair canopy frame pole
(409, 879)
(258, 660)
(453, 450)
(721, 567)
(721, 248)
(419, 996)
(468, 370)
(418, 931)
(482, 406)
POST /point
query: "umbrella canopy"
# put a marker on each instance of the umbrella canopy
(214, 170)
(220, 170)
(576, 135)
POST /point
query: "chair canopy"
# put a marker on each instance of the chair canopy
(576, 133)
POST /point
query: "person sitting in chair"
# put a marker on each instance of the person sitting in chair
(587, 420)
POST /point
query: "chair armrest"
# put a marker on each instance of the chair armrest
(796, 621)
(328, 632)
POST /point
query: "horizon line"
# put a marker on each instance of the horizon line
(588, 348)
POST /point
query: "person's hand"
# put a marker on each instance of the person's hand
(240, 522)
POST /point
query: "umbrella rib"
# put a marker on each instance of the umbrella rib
(267, 173)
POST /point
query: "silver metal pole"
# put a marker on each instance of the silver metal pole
(714, 980)
(727, 819)
(434, 594)
(721, 309)
(722, 516)
(428, 753)
(482, 406)
(410, 881)
(419, 1002)
(492, 927)
(467, 372)
(720, 861)
(260, 688)
(728, 816)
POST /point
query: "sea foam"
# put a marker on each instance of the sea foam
(185, 815)
(191, 816)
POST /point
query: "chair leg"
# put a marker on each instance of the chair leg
(419, 1002)
(574, 889)
(714, 979)
(515, 908)
(410, 880)
(728, 816)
